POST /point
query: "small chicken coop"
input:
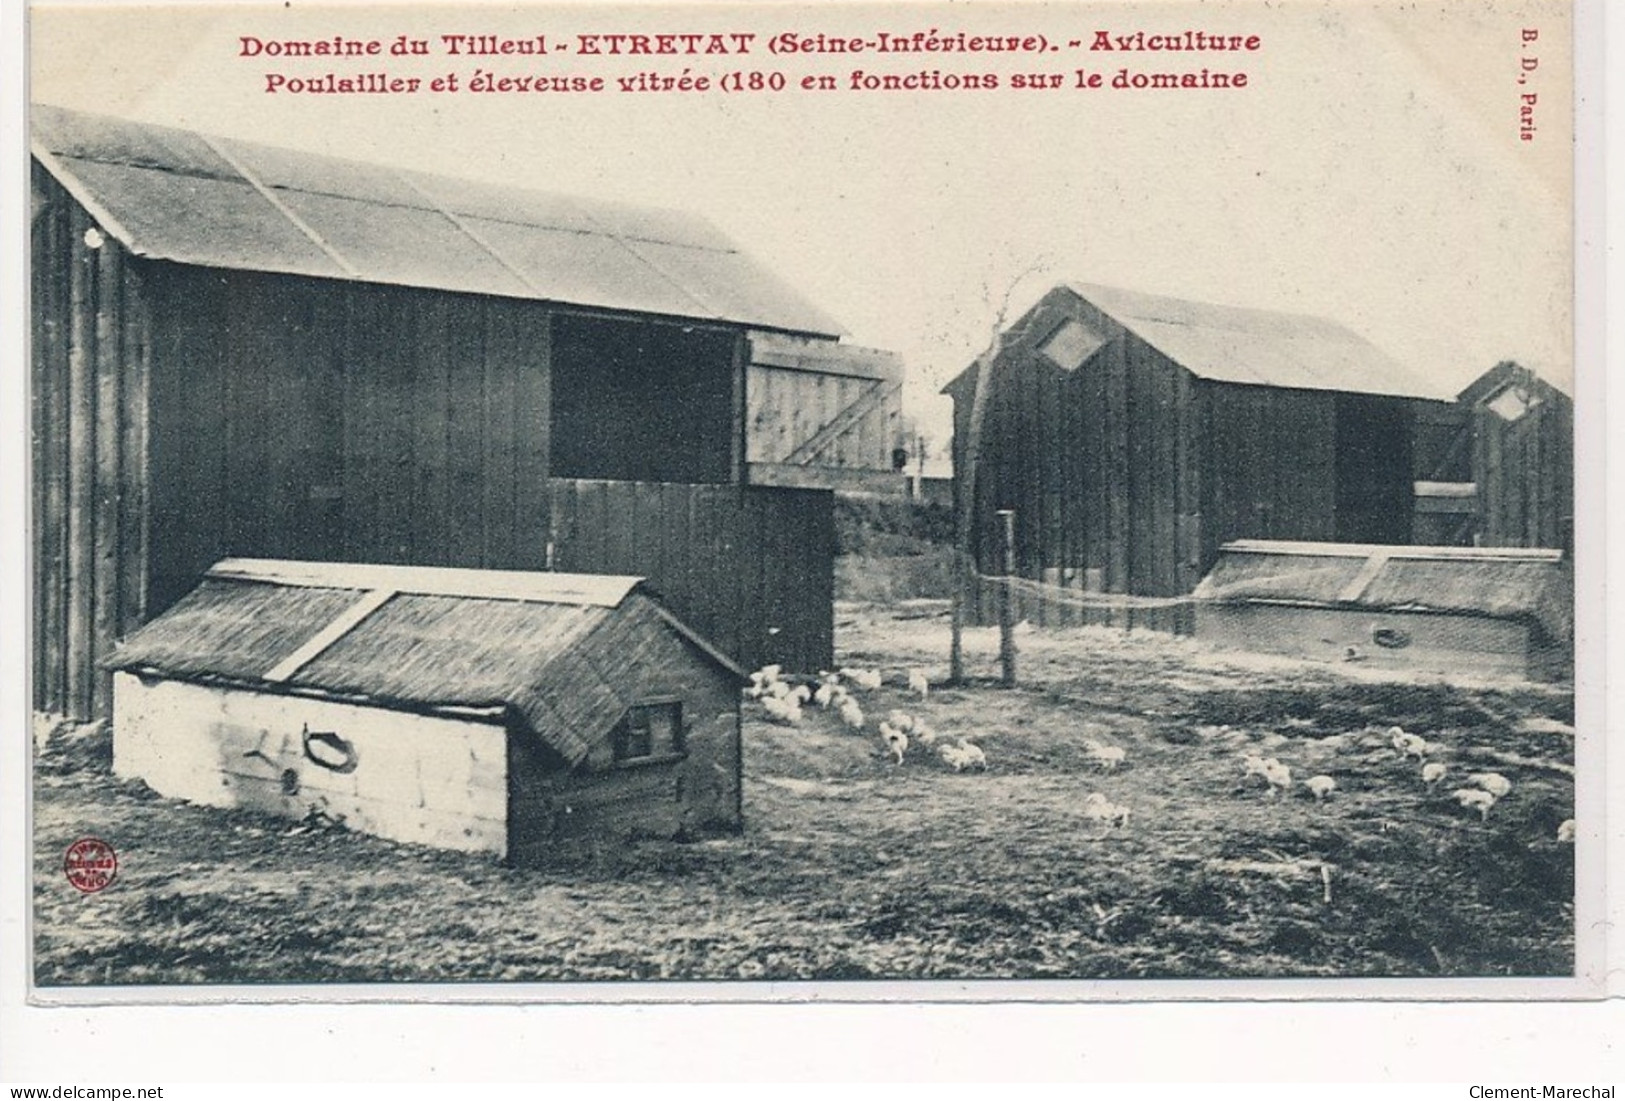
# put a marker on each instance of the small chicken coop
(512, 713)
(1481, 611)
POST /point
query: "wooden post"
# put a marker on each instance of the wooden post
(965, 480)
(1007, 618)
(964, 555)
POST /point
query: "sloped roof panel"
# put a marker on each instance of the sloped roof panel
(200, 220)
(403, 245)
(217, 202)
(586, 268)
(728, 283)
(1259, 347)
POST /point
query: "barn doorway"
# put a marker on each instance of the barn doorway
(642, 401)
(1373, 471)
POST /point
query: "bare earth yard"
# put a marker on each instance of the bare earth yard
(853, 867)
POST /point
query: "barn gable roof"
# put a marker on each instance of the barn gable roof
(543, 647)
(1251, 347)
(1258, 347)
(1507, 374)
(177, 195)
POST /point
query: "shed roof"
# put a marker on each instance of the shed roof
(1259, 347)
(1250, 347)
(542, 647)
(178, 195)
(1498, 582)
(1506, 374)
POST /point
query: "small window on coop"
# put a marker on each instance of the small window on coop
(649, 730)
(1512, 403)
(1071, 344)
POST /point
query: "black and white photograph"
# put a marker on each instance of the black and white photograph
(979, 500)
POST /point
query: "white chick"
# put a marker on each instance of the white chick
(852, 714)
(866, 679)
(1278, 776)
(1475, 799)
(896, 741)
(786, 711)
(923, 733)
(1321, 787)
(973, 755)
(1492, 782)
(1565, 831)
(918, 683)
(902, 720)
(1104, 813)
(1432, 773)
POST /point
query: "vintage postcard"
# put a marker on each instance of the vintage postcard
(914, 501)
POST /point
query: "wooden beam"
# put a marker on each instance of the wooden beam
(1361, 581)
(820, 441)
(797, 476)
(1366, 550)
(342, 624)
(602, 590)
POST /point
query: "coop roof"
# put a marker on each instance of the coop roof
(1496, 582)
(172, 194)
(542, 647)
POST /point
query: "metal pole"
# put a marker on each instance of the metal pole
(1007, 609)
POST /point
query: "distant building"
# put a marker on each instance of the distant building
(1133, 435)
(1523, 458)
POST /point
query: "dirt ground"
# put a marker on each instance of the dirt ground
(854, 867)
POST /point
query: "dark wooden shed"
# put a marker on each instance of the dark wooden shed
(1523, 458)
(1133, 435)
(518, 714)
(246, 350)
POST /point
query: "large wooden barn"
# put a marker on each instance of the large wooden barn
(246, 350)
(1133, 435)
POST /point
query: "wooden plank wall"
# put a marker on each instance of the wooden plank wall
(336, 421)
(1099, 465)
(635, 656)
(750, 568)
(91, 357)
(1269, 465)
(1525, 475)
(786, 408)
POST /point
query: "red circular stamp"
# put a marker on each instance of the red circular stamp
(91, 864)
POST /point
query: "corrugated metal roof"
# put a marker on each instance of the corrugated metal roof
(175, 195)
(545, 647)
(1259, 347)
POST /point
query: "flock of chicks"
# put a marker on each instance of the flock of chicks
(1480, 792)
(784, 701)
